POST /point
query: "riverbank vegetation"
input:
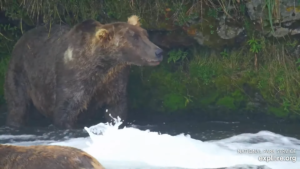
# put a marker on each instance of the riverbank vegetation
(228, 79)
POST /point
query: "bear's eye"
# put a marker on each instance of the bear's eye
(134, 35)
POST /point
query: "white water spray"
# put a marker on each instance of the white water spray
(131, 147)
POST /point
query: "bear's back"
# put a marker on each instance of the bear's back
(39, 40)
(33, 61)
(47, 157)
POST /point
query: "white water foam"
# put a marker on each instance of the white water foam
(21, 137)
(134, 148)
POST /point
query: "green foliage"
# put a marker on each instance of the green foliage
(174, 101)
(70, 11)
(270, 5)
(242, 8)
(213, 12)
(292, 43)
(212, 31)
(3, 68)
(227, 101)
(209, 99)
(232, 100)
(180, 13)
(176, 55)
(298, 63)
(8, 37)
(224, 54)
(255, 45)
(247, 25)
(279, 112)
(203, 72)
(286, 105)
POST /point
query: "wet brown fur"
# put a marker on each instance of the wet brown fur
(46, 157)
(65, 70)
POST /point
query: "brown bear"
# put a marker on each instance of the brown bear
(46, 157)
(64, 70)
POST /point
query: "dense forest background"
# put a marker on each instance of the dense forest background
(223, 58)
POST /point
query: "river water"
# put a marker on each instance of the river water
(212, 144)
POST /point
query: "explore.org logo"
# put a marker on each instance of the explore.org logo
(277, 158)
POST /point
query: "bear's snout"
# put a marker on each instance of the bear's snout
(159, 54)
(155, 60)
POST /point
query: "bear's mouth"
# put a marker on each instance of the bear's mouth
(153, 63)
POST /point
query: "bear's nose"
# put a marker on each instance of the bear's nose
(159, 53)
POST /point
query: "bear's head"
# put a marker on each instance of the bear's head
(127, 42)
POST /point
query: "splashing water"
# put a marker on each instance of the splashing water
(134, 148)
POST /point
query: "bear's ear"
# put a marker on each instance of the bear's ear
(134, 20)
(103, 34)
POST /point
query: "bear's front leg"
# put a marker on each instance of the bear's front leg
(67, 110)
(117, 109)
(117, 98)
(65, 116)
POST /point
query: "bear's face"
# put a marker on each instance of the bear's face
(128, 43)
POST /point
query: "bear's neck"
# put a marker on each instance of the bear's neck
(115, 71)
(106, 71)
